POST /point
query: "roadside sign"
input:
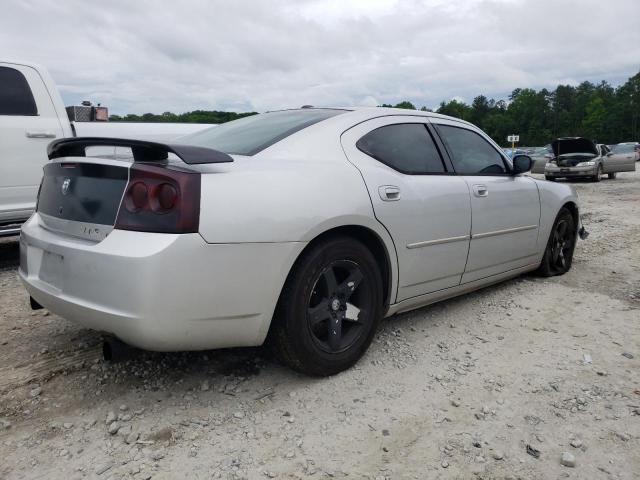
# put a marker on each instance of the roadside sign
(513, 138)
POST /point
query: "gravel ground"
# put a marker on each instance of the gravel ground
(532, 378)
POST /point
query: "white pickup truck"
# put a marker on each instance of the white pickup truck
(32, 114)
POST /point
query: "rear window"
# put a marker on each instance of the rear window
(250, 135)
(15, 95)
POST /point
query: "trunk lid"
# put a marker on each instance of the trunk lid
(82, 199)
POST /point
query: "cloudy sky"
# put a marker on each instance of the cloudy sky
(139, 56)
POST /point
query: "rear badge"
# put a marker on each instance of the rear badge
(65, 186)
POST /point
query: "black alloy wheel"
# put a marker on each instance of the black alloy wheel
(329, 309)
(336, 312)
(558, 255)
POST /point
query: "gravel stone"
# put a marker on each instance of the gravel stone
(157, 454)
(132, 438)
(113, 428)
(111, 417)
(100, 469)
(568, 459)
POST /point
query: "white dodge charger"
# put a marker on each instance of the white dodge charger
(302, 228)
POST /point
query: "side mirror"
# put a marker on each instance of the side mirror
(522, 164)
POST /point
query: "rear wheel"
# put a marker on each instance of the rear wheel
(558, 256)
(612, 175)
(329, 309)
(598, 175)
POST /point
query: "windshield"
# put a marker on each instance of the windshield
(250, 135)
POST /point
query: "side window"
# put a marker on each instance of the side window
(15, 95)
(406, 147)
(470, 153)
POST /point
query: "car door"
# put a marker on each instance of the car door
(621, 159)
(414, 195)
(505, 208)
(28, 122)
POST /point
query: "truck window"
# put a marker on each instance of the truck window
(15, 95)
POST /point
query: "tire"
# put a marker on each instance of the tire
(550, 179)
(318, 292)
(558, 254)
(613, 175)
(598, 175)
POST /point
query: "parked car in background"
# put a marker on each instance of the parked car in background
(304, 227)
(579, 157)
(511, 152)
(31, 115)
(540, 157)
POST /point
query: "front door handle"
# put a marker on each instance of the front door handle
(40, 135)
(480, 190)
(389, 193)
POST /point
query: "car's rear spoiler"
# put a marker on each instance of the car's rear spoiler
(142, 150)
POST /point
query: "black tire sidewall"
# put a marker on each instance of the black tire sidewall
(310, 357)
(547, 268)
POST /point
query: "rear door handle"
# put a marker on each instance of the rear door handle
(40, 135)
(389, 193)
(480, 190)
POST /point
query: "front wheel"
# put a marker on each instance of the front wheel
(598, 175)
(549, 178)
(612, 175)
(558, 255)
(329, 309)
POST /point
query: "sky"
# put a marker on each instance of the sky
(138, 56)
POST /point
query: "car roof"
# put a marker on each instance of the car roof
(357, 114)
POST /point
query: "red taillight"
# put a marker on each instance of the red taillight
(160, 199)
(137, 197)
(165, 196)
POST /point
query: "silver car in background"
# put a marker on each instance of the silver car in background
(579, 157)
(302, 228)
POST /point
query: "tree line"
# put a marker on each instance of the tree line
(599, 111)
(197, 116)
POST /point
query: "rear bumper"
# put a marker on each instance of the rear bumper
(158, 292)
